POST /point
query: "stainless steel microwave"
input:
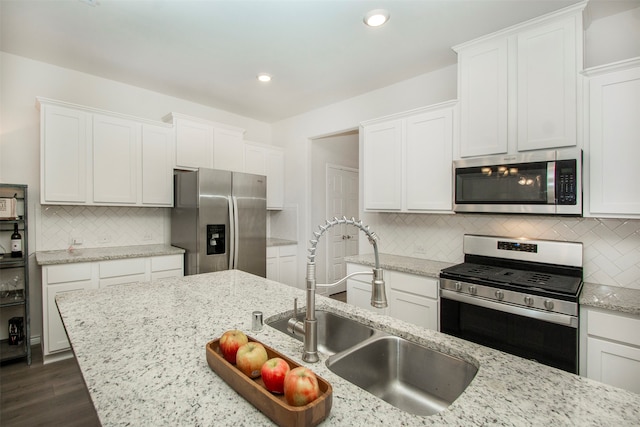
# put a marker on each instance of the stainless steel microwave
(543, 182)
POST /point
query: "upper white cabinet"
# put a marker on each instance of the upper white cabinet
(64, 133)
(612, 137)
(267, 160)
(204, 144)
(519, 88)
(116, 159)
(94, 157)
(407, 161)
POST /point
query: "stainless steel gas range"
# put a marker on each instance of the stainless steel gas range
(516, 295)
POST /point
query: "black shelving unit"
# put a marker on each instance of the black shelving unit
(14, 276)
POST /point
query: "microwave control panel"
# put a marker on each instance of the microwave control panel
(566, 188)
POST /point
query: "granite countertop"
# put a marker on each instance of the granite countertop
(103, 254)
(274, 241)
(623, 300)
(141, 351)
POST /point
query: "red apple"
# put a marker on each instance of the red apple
(230, 342)
(250, 358)
(300, 386)
(273, 372)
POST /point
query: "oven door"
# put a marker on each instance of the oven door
(551, 340)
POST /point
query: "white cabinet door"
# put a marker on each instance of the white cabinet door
(157, 165)
(194, 144)
(287, 270)
(228, 150)
(56, 337)
(428, 174)
(613, 363)
(268, 161)
(275, 179)
(116, 157)
(547, 86)
(63, 154)
(613, 143)
(483, 92)
(382, 176)
(414, 309)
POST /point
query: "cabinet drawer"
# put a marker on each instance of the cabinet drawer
(287, 250)
(418, 285)
(123, 267)
(614, 327)
(272, 252)
(167, 262)
(67, 273)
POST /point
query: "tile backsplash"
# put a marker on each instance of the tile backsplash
(100, 226)
(611, 246)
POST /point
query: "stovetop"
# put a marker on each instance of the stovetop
(537, 282)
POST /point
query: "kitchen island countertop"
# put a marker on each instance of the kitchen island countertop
(141, 351)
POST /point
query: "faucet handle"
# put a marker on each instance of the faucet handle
(295, 308)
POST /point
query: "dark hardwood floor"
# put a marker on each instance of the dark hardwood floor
(44, 395)
(49, 395)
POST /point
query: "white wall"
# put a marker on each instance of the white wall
(21, 80)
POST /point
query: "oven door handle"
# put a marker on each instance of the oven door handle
(560, 319)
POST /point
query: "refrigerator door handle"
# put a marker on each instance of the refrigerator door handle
(236, 237)
(232, 239)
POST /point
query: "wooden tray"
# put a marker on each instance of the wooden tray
(272, 405)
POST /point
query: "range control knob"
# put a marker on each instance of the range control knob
(458, 286)
(473, 290)
(548, 304)
(528, 300)
(499, 295)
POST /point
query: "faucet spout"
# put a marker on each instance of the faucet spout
(309, 328)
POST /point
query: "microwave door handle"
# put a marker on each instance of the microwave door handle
(551, 183)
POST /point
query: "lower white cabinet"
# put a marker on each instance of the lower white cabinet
(612, 348)
(411, 297)
(62, 278)
(282, 264)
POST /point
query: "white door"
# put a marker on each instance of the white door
(342, 200)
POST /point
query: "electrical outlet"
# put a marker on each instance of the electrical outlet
(419, 249)
(147, 237)
(76, 240)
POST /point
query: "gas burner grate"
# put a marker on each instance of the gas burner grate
(538, 279)
(480, 269)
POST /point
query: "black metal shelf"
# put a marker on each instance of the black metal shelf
(16, 298)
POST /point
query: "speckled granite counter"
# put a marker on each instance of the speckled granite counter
(593, 295)
(103, 254)
(611, 298)
(422, 267)
(141, 350)
(274, 241)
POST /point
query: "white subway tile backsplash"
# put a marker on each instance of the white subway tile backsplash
(611, 246)
(100, 226)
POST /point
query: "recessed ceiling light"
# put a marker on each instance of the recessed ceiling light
(376, 17)
(264, 77)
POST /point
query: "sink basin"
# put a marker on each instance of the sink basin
(335, 333)
(408, 376)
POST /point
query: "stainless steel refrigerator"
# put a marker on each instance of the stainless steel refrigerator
(220, 219)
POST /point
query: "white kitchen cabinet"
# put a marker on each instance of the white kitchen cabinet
(57, 279)
(116, 159)
(95, 157)
(204, 144)
(411, 298)
(267, 160)
(611, 140)
(612, 348)
(282, 264)
(519, 87)
(157, 165)
(63, 154)
(407, 161)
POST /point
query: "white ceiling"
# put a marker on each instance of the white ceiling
(209, 51)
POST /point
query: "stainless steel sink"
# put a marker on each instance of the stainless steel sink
(408, 376)
(335, 333)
